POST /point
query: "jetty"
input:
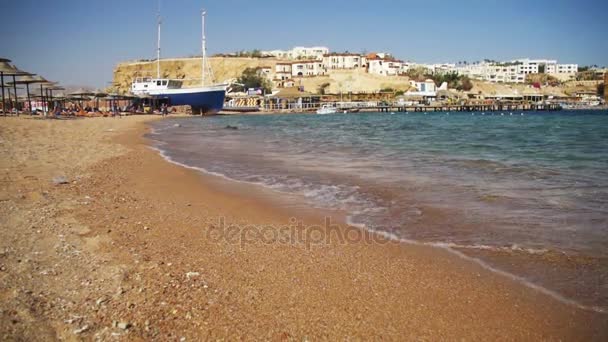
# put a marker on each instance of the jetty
(466, 108)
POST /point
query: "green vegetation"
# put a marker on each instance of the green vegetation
(418, 74)
(453, 79)
(542, 79)
(251, 78)
(506, 64)
(255, 53)
(587, 75)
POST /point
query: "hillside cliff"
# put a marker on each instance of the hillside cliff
(227, 68)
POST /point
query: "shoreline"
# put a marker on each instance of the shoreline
(152, 229)
(454, 249)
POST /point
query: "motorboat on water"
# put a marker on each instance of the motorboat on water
(327, 109)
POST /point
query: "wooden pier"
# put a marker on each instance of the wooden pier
(466, 108)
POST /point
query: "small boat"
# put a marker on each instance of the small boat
(327, 109)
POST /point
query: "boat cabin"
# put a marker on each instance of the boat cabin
(143, 85)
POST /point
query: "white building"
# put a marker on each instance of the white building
(428, 86)
(567, 68)
(547, 66)
(491, 72)
(282, 71)
(315, 52)
(440, 68)
(344, 61)
(384, 66)
(265, 71)
(298, 52)
(307, 68)
(282, 54)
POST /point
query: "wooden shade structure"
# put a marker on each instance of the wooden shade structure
(6, 69)
(27, 80)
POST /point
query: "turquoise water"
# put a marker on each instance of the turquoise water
(527, 194)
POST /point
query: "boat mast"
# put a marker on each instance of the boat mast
(204, 48)
(158, 43)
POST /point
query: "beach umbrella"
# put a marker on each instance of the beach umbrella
(82, 92)
(49, 89)
(6, 69)
(2, 61)
(98, 93)
(80, 95)
(27, 80)
(43, 84)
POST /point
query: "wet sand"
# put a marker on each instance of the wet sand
(133, 247)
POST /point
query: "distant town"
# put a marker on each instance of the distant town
(316, 61)
(305, 78)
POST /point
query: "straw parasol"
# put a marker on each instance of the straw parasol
(81, 92)
(98, 93)
(44, 83)
(27, 80)
(49, 89)
(6, 69)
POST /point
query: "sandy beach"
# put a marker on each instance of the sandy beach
(101, 238)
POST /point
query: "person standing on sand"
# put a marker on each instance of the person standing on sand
(165, 110)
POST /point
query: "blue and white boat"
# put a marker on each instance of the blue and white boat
(203, 100)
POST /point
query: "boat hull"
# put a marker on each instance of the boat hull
(202, 101)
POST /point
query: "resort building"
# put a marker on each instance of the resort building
(299, 52)
(344, 61)
(282, 71)
(384, 66)
(441, 68)
(427, 87)
(281, 54)
(307, 68)
(265, 71)
(316, 52)
(547, 66)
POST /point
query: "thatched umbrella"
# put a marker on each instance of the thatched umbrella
(3, 60)
(27, 80)
(6, 69)
(44, 84)
(81, 92)
(80, 95)
(49, 89)
(98, 94)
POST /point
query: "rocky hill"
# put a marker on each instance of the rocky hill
(227, 68)
(335, 82)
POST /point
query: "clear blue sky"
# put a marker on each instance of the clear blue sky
(78, 42)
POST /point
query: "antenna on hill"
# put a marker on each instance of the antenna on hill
(159, 19)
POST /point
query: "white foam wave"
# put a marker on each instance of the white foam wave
(450, 247)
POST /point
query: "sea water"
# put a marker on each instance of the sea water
(523, 193)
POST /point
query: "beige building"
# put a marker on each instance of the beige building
(282, 71)
(307, 68)
(334, 61)
(384, 66)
